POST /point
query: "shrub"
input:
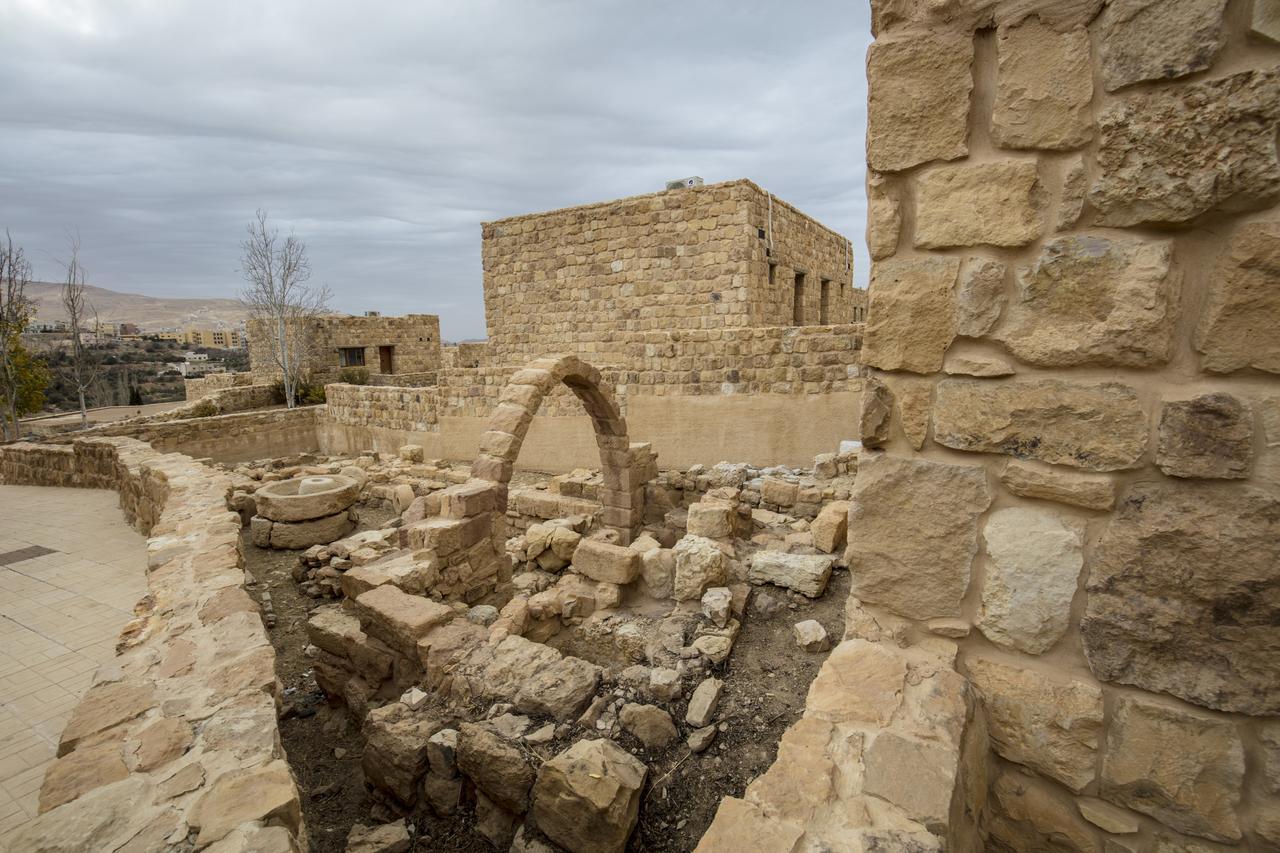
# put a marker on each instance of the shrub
(354, 375)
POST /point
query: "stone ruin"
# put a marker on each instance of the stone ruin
(303, 512)
(1061, 538)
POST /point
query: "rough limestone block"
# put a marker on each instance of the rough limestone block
(811, 636)
(601, 561)
(979, 296)
(1210, 436)
(496, 766)
(711, 519)
(699, 564)
(1240, 326)
(1097, 427)
(1044, 86)
(830, 527)
(998, 204)
(1034, 562)
(1169, 155)
(395, 751)
(304, 534)
(1031, 480)
(884, 217)
(1184, 769)
(913, 775)
(804, 573)
(1142, 40)
(1174, 558)
(941, 503)
(918, 109)
(1075, 185)
(702, 704)
(1090, 299)
(398, 619)
(1265, 23)
(1050, 724)
(587, 798)
(912, 315)
(1028, 814)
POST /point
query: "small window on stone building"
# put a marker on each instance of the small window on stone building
(824, 302)
(773, 272)
(797, 301)
(351, 356)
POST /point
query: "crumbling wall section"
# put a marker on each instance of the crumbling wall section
(177, 737)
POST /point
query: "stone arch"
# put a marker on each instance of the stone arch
(621, 494)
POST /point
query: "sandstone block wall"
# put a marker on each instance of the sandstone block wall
(203, 386)
(176, 742)
(1075, 317)
(415, 337)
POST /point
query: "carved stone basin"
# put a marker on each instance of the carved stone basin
(305, 498)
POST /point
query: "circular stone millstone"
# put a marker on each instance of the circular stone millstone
(305, 498)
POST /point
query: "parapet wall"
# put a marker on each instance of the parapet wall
(203, 386)
(177, 738)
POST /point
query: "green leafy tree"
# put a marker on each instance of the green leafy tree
(32, 378)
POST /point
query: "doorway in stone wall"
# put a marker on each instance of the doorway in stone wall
(386, 359)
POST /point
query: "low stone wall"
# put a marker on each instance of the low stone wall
(176, 742)
(203, 386)
(228, 438)
(404, 380)
(400, 408)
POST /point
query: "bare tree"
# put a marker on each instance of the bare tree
(84, 367)
(280, 303)
(15, 309)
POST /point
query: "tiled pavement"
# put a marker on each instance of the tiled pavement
(60, 614)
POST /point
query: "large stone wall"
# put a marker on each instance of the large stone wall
(1074, 317)
(175, 745)
(415, 337)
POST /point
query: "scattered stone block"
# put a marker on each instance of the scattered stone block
(806, 574)
(601, 561)
(699, 564)
(811, 636)
(412, 453)
(398, 619)
(496, 766)
(649, 724)
(702, 704)
(716, 603)
(587, 798)
(830, 527)
(385, 838)
(711, 519)
(700, 739)
(395, 752)
(664, 683)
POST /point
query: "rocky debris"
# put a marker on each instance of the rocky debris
(702, 704)
(811, 636)
(587, 798)
(386, 838)
(538, 679)
(1243, 303)
(1034, 562)
(1184, 769)
(1031, 480)
(395, 752)
(830, 527)
(483, 614)
(1210, 436)
(699, 564)
(649, 724)
(997, 204)
(601, 561)
(1140, 629)
(712, 519)
(664, 683)
(716, 604)
(496, 766)
(700, 739)
(911, 318)
(1141, 43)
(398, 619)
(919, 100)
(804, 573)
(1044, 87)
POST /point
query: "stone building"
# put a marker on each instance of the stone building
(393, 350)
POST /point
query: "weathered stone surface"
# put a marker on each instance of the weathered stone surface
(1044, 87)
(884, 217)
(979, 296)
(712, 519)
(830, 527)
(1265, 22)
(658, 568)
(702, 704)
(1034, 562)
(971, 15)
(999, 204)
(264, 793)
(587, 798)
(1269, 737)
(913, 398)
(1075, 185)
(602, 561)
(1210, 436)
(496, 766)
(1240, 326)
(398, 619)
(395, 753)
(318, 531)
(941, 504)
(79, 772)
(384, 838)
(1099, 428)
(650, 725)
(1146, 40)
(1051, 724)
(778, 491)
(1026, 815)
(561, 690)
(911, 318)
(983, 365)
(699, 564)
(874, 413)
(859, 682)
(1173, 154)
(1183, 769)
(1107, 817)
(1031, 480)
(104, 706)
(914, 775)
(306, 498)
(160, 742)
(811, 636)
(919, 100)
(106, 818)
(1181, 596)
(805, 573)
(1090, 299)
(740, 825)
(495, 823)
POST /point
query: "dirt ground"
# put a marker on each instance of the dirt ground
(766, 679)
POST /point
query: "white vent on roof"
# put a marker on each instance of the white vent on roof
(684, 183)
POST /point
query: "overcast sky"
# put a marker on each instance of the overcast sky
(384, 134)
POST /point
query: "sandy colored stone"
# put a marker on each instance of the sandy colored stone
(1026, 815)
(1094, 300)
(1158, 39)
(1240, 326)
(1075, 185)
(303, 534)
(383, 838)
(1265, 21)
(1096, 427)
(979, 296)
(1107, 817)
(496, 765)
(830, 527)
(940, 503)
(859, 682)
(1049, 723)
(587, 798)
(602, 561)
(560, 690)
(1267, 467)
(398, 619)
(161, 742)
(918, 106)
(739, 825)
(293, 501)
(884, 217)
(1044, 86)
(658, 569)
(264, 793)
(651, 725)
(916, 776)
(806, 574)
(1034, 557)
(1175, 559)
(79, 772)
(913, 398)
(699, 564)
(105, 818)
(1210, 436)
(874, 412)
(1172, 154)
(702, 704)
(711, 519)
(997, 204)
(982, 365)
(912, 315)
(1033, 480)
(395, 752)
(103, 707)
(1184, 769)
(970, 15)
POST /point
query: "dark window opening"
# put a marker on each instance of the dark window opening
(797, 301)
(351, 356)
(824, 302)
(773, 273)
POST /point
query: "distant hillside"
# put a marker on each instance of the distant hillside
(148, 312)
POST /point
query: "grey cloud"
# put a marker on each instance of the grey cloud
(385, 136)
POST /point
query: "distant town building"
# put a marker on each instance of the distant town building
(406, 348)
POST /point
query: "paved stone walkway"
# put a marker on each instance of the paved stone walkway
(70, 573)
